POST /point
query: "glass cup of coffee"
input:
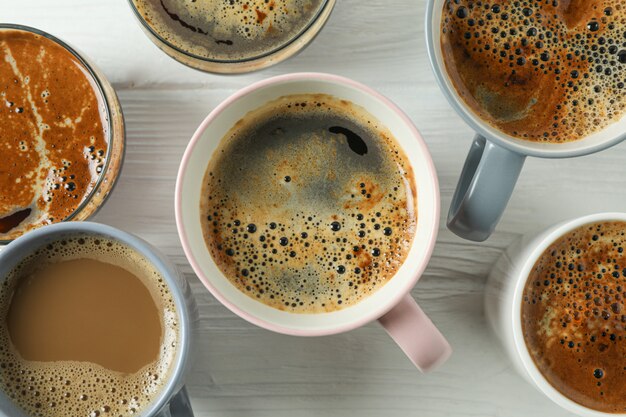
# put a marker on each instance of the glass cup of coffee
(545, 79)
(308, 204)
(95, 322)
(556, 301)
(229, 37)
(62, 133)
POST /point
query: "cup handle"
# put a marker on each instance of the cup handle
(484, 189)
(417, 336)
(179, 406)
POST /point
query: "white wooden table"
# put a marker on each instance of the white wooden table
(244, 371)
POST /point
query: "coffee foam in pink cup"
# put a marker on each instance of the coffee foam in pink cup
(392, 304)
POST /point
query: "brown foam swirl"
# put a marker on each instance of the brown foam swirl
(573, 315)
(546, 71)
(309, 205)
(53, 133)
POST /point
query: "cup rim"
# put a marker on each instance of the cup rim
(518, 145)
(107, 107)
(328, 78)
(160, 263)
(527, 361)
(297, 36)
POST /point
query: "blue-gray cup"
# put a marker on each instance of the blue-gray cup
(173, 400)
(495, 159)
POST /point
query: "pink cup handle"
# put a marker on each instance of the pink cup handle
(418, 337)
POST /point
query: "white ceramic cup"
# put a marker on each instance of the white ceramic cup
(503, 303)
(392, 304)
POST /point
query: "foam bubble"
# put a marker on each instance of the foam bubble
(331, 197)
(67, 388)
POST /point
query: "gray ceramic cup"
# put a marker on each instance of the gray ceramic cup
(173, 400)
(495, 159)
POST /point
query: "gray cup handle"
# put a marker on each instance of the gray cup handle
(484, 189)
(179, 406)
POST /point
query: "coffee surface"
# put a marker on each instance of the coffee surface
(228, 30)
(573, 316)
(90, 329)
(545, 71)
(53, 132)
(309, 204)
(88, 311)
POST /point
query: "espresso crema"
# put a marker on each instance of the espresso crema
(573, 315)
(53, 132)
(228, 30)
(309, 204)
(542, 71)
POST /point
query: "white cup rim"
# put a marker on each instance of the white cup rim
(520, 345)
(371, 315)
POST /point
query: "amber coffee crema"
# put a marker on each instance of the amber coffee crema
(309, 204)
(53, 132)
(90, 329)
(228, 30)
(573, 315)
(544, 71)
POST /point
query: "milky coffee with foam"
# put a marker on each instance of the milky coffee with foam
(574, 317)
(542, 71)
(309, 204)
(228, 30)
(89, 329)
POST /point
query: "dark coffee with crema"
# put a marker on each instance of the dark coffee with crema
(574, 316)
(54, 132)
(228, 30)
(88, 328)
(543, 71)
(309, 204)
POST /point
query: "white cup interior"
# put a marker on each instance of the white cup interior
(520, 345)
(612, 134)
(195, 164)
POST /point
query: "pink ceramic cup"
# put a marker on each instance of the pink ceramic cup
(392, 305)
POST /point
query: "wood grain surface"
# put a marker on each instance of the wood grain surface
(241, 370)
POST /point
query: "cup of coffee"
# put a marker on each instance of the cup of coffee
(543, 79)
(308, 204)
(556, 301)
(230, 37)
(95, 322)
(62, 133)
